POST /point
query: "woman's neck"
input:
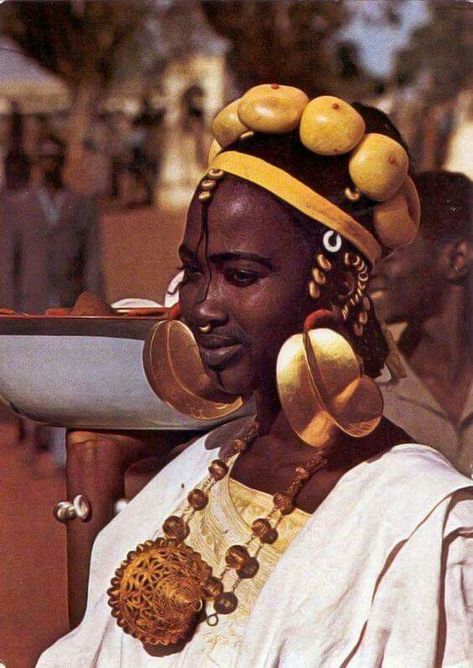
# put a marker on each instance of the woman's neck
(270, 463)
(268, 408)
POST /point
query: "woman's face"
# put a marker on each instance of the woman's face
(248, 279)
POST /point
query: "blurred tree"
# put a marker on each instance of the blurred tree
(79, 40)
(441, 51)
(438, 62)
(294, 41)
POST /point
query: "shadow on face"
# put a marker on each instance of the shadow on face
(247, 267)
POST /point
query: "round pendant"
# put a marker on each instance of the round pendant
(158, 591)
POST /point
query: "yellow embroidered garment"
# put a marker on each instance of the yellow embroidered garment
(226, 521)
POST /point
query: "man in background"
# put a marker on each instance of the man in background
(49, 240)
(427, 286)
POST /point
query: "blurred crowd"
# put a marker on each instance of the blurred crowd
(123, 151)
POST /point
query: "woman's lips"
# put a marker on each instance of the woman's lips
(218, 357)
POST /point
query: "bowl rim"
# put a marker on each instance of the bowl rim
(136, 327)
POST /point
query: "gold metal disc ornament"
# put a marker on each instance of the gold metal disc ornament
(175, 371)
(322, 388)
(158, 591)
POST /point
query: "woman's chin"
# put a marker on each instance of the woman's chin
(235, 381)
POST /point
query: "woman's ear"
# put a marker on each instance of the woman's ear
(460, 259)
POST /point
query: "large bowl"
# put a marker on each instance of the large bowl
(83, 373)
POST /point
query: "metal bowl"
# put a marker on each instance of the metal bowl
(84, 373)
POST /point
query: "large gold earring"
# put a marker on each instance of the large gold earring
(176, 373)
(322, 386)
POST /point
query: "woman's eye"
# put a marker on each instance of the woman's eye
(241, 277)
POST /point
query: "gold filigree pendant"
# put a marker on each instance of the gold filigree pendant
(159, 590)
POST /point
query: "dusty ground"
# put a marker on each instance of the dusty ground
(32, 552)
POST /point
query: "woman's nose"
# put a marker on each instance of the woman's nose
(210, 310)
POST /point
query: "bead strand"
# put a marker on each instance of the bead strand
(177, 528)
(238, 557)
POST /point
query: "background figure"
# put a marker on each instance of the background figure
(193, 120)
(49, 250)
(17, 165)
(150, 121)
(141, 193)
(427, 286)
(50, 247)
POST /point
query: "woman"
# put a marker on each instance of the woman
(318, 535)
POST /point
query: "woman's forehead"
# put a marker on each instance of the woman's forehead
(249, 219)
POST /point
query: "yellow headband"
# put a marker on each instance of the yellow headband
(301, 197)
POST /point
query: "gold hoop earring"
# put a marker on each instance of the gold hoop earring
(323, 389)
(177, 375)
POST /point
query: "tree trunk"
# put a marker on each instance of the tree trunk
(83, 106)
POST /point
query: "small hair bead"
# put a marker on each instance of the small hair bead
(208, 184)
(358, 263)
(323, 262)
(204, 196)
(319, 276)
(352, 194)
(349, 259)
(215, 174)
(314, 290)
(358, 329)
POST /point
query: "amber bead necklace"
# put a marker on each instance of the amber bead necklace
(159, 590)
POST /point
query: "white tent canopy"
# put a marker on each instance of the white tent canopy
(31, 87)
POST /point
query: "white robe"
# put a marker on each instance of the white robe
(381, 575)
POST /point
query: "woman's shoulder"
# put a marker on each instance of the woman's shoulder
(419, 458)
(405, 484)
